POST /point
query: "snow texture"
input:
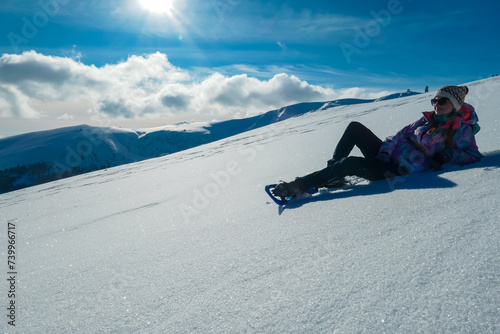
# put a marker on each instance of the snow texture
(190, 242)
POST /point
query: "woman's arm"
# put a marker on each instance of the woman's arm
(391, 142)
(465, 150)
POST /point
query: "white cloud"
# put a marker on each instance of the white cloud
(13, 103)
(66, 116)
(130, 85)
(142, 87)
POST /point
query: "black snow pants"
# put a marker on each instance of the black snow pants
(367, 167)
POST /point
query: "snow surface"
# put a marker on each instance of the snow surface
(190, 243)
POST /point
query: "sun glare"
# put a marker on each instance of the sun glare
(158, 6)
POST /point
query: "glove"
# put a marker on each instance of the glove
(383, 157)
(443, 156)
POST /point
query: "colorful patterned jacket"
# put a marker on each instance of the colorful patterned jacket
(414, 146)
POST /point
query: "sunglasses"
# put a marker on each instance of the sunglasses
(442, 101)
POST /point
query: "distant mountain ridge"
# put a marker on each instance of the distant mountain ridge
(39, 157)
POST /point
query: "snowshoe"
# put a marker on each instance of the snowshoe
(284, 192)
(277, 194)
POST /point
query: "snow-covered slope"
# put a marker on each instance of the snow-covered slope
(190, 243)
(40, 157)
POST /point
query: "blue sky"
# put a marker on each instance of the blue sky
(119, 63)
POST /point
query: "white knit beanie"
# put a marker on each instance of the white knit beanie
(456, 94)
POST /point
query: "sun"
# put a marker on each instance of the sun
(158, 6)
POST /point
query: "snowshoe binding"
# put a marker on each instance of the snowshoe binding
(283, 192)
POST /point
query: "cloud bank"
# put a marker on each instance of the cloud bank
(146, 86)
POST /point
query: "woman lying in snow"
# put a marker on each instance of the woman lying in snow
(442, 136)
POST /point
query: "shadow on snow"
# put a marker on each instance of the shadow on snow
(424, 180)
